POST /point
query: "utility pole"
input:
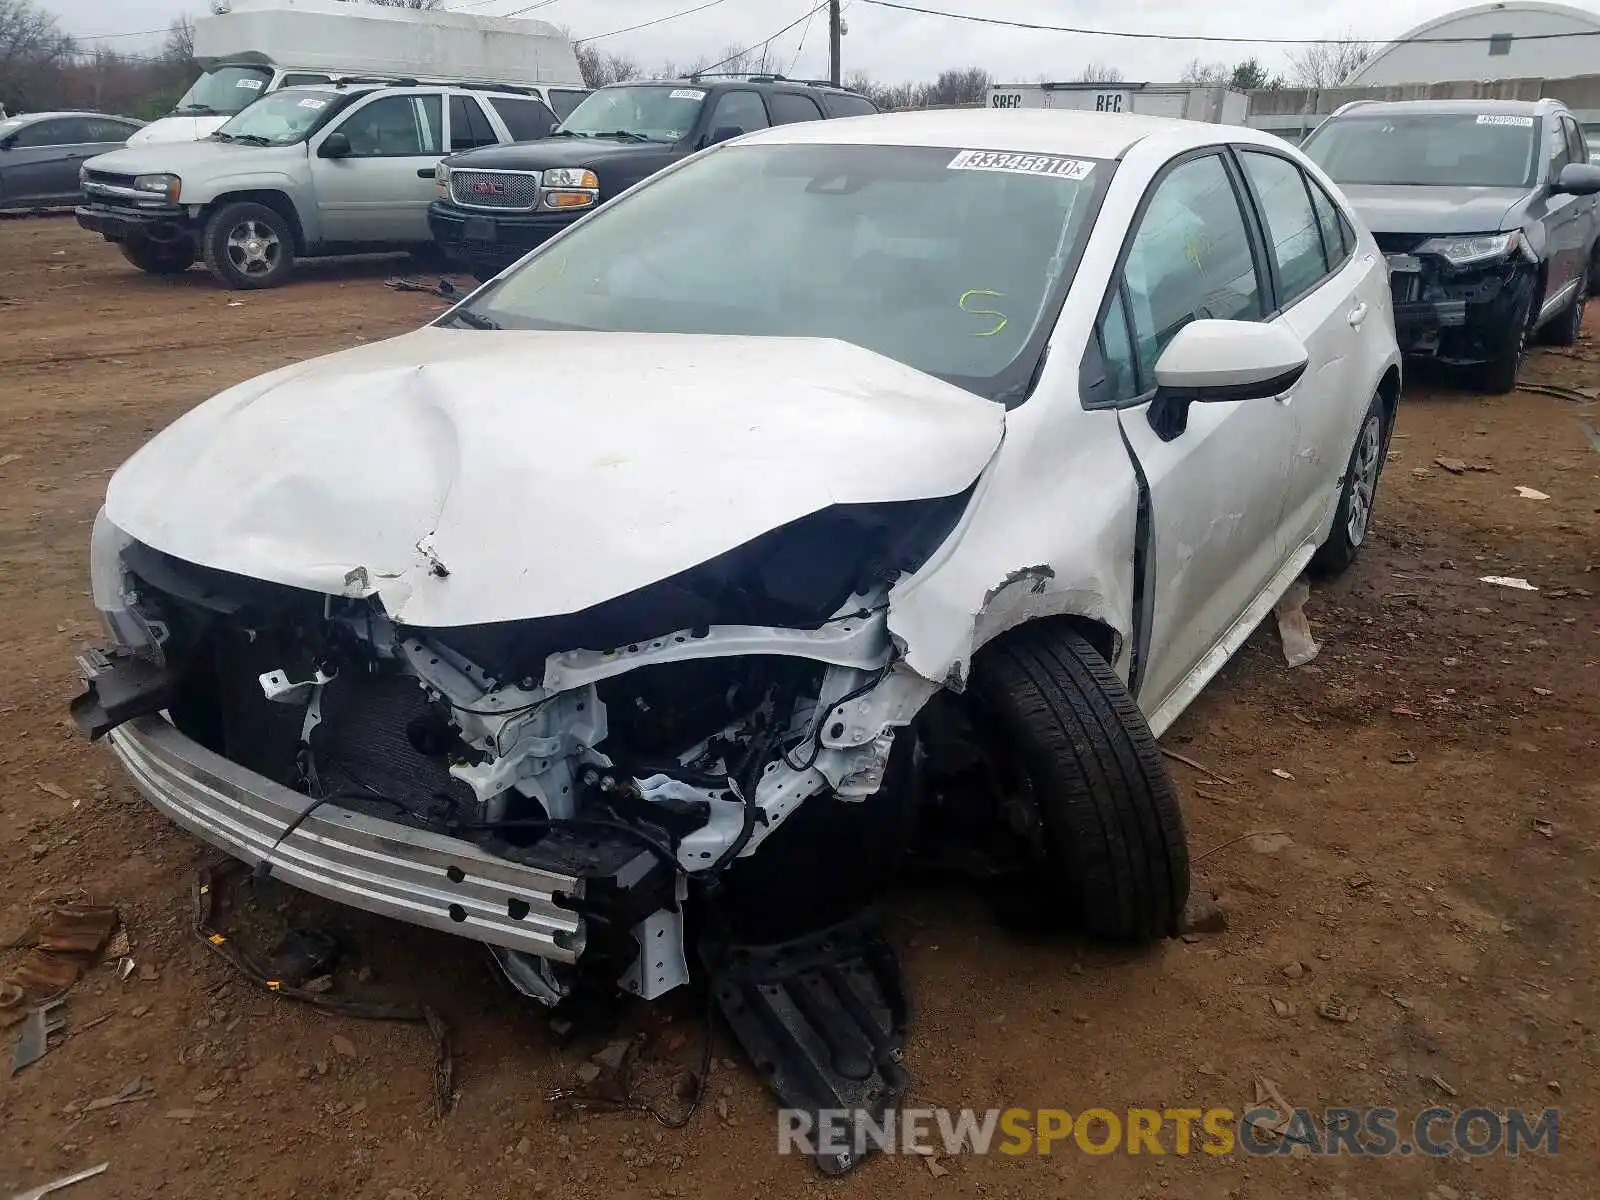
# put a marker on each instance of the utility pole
(835, 28)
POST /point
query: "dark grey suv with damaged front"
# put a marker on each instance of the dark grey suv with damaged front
(1486, 211)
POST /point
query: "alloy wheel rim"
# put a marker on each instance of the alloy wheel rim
(253, 248)
(1364, 479)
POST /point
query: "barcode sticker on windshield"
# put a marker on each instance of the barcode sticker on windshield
(1021, 164)
(253, 85)
(687, 94)
(310, 103)
(1502, 119)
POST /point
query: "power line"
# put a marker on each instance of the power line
(768, 39)
(106, 37)
(1202, 37)
(517, 12)
(659, 20)
(801, 48)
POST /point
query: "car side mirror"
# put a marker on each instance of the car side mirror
(1577, 179)
(335, 145)
(724, 133)
(1211, 362)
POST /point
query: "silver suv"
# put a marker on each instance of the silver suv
(304, 172)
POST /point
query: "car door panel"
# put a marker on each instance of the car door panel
(380, 192)
(42, 167)
(1564, 218)
(1215, 505)
(1325, 296)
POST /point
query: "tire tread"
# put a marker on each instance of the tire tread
(1111, 814)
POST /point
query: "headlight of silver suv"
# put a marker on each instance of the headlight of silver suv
(1465, 250)
(165, 186)
(570, 187)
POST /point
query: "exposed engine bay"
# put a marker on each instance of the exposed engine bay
(677, 728)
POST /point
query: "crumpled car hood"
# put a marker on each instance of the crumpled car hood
(469, 476)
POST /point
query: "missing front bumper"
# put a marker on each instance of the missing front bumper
(379, 866)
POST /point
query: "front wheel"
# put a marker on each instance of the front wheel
(1353, 518)
(1111, 853)
(159, 258)
(248, 246)
(1499, 374)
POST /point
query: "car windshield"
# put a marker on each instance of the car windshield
(1428, 149)
(281, 119)
(947, 260)
(223, 91)
(661, 113)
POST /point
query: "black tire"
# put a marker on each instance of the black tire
(1565, 326)
(248, 246)
(159, 258)
(1116, 856)
(1498, 375)
(1357, 498)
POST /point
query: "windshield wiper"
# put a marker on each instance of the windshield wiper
(197, 110)
(555, 133)
(255, 139)
(626, 135)
(472, 320)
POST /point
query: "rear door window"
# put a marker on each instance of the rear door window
(789, 108)
(469, 128)
(528, 120)
(1291, 223)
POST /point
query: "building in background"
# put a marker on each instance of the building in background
(1516, 44)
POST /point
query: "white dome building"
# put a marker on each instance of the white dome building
(1516, 43)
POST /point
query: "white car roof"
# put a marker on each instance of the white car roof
(1059, 131)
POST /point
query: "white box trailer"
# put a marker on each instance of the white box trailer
(258, 46)
(1219, 105)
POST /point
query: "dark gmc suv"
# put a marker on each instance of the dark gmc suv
(1486, 212)
(497, 203)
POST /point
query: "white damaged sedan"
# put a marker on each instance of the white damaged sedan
(854, 491)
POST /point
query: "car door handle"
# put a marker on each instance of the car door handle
(425, 173)
(1357, 315)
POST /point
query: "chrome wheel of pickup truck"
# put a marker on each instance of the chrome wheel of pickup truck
(248, 245)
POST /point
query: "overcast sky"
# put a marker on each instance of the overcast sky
(892, 45)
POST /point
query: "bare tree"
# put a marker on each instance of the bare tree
(180, 42)
(966, 85)
(1204, 74)
(33, 54)
(600, 69)
(1330, 64)
(1100, 72)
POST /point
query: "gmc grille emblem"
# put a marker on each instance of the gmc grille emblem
(488, 189)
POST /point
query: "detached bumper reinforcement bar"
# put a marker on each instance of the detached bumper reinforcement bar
(368, 863)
